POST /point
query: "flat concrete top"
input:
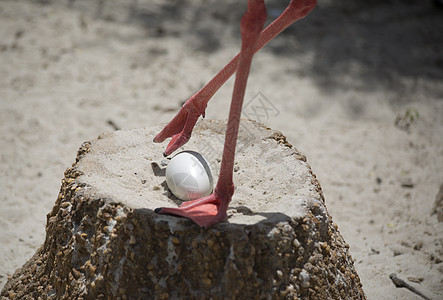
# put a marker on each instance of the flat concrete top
(269, 176)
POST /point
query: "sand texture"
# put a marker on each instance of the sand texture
(355, 87)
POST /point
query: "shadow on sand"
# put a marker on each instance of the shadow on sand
(386, 45)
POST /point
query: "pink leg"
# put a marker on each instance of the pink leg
(181, 125)
(212, 209)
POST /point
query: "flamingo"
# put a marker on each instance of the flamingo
(212, 209)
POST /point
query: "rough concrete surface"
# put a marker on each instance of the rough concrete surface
(103, 239)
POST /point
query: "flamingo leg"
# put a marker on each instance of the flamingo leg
(180, 127)
(212, 209)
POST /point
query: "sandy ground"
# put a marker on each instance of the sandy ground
(335, 83)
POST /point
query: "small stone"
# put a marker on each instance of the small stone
(296, 243)
(210, 243)
(407, 183)
(415, 279)
(249, 269)
(76, 273)
(92, 269)
(304, 278)
(207, 281)
(284, 293)
(418, 246)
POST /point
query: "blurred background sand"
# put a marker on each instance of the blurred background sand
(356, 87)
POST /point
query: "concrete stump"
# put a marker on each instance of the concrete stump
(104, 241)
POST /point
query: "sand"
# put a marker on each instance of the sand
(357, 88)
